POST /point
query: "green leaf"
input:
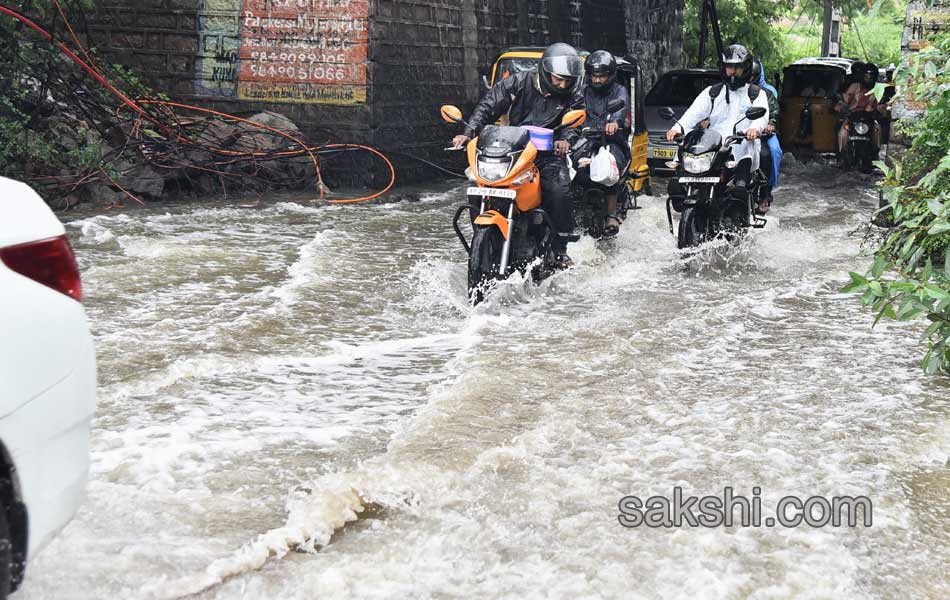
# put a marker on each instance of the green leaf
(946, 263)
(934, 328)
(903, 286)
(882, 313)
(930, 70)
(937, 293)
(875, 288)
(934, 364)
(877, 269)
(928, 271)
(858, 283)
(936, 206)
(889, 312)
(908, 246)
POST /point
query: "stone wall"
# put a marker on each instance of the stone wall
(377, 70)
(655, 35)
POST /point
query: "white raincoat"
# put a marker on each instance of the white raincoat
(724, 112)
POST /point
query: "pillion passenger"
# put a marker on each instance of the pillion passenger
(603, 87)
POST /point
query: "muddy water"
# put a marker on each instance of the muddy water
(297, 402)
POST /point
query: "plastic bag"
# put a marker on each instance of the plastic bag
(603, 168)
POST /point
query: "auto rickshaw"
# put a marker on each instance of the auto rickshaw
(811, 87)
(629, 73)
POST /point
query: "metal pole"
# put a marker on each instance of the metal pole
(703, 32)
(714, 19)
(826, 29)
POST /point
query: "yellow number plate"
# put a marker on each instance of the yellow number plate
(664, 153)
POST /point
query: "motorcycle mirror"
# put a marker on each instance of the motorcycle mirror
(451, 114)
(574, 118)
(755, 112)
(667, 113)
(615, 105)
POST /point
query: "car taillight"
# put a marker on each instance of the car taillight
(50, 262)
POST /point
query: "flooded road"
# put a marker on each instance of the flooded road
(297, 402)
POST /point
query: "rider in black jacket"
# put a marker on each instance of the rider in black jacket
(541, 97)
(602, 87)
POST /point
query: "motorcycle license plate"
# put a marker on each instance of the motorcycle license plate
(664, 153)
(493, 192)
(859, 138)
(699, 180)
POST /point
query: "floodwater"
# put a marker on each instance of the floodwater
(297, 402)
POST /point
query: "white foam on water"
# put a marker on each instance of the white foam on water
(313, 267)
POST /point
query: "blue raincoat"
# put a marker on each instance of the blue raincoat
(774, 147)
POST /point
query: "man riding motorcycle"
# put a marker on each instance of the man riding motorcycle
(857, 98)
(540, 97)
(725, 104)
(772, 150)
(602, 87)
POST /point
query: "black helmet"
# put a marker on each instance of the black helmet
(872, 75)
(756, 71)
(562, 60)
(736, 55)
(601, 63)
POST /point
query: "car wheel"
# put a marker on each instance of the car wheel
(6, 555)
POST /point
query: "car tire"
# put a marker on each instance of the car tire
(6, 556)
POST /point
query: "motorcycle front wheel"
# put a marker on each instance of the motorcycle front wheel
(692, 229)
(483, 262)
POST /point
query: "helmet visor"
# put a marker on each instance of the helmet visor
(564, 66)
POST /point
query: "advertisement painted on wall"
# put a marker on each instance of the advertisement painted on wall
(299, 51)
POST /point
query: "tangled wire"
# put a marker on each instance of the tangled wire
(123, 144)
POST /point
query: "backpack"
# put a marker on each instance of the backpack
(714, 91)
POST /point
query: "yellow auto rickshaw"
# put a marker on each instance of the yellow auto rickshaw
(811, 87)
(629, 73)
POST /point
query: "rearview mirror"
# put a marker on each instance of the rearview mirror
(451, 114)
(615, 105)
(667, 113)
(755, 112)
(574, 118)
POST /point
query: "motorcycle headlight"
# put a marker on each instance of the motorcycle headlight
(493, 171)
(697, 164)
(861, 128)
(524, 178)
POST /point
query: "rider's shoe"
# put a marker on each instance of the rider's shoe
(763, 206)
(562, 262)
(612, 225)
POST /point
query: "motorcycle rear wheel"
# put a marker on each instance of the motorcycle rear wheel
(483, 262)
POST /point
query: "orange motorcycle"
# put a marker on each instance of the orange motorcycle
(510, 229)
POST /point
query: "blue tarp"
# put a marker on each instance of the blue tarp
(774, 145)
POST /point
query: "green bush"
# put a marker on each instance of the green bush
(910, 276)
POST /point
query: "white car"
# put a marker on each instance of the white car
(47, 380)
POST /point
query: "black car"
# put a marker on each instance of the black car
(677, 90)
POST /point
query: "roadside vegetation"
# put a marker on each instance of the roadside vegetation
(910, 277)
(779, 32)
